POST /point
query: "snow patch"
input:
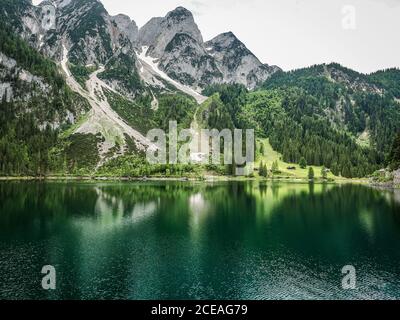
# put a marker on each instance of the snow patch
(151, 62)
(61, 3)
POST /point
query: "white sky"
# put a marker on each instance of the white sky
(291, 33)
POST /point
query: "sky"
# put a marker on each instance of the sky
(360, 34)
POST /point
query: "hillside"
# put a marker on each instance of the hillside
(36, 105)
(365, 107)
(286, 170)
(79, 98)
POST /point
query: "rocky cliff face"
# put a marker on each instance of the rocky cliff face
(25, 19)
(176, 42)
(236, 62)
(126, 27)
(92, 37)
(159, 32)
(90, 34)
(187, 61)
(84, 27)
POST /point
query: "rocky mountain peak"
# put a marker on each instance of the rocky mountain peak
(127, 27)
(187, 61)
(92, 36)
(227, 36)
(159, 32)
(61, 3)
(237, 62)
(228, 42)
(179, 14)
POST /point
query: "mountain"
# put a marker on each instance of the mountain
(236, 62)
(159, 32)
(176, 43)
(364, 107)
(188, 62)
(79, 91)
(91, 36)
(95, 56)
(36, 104)
(327, 114)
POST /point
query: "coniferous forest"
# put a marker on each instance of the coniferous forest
(323, 115)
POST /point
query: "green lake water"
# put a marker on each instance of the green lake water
(184, 240)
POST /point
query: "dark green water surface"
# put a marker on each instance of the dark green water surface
(171, 240)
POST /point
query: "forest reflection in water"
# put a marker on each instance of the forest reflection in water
(251, 240)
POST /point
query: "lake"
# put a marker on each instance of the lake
(198, 240)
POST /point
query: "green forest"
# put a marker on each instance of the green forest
(324, 115)
(298, 112)
(25, 147)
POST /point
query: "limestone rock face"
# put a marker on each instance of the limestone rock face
(126, 27)
(176, 42)
(159, 32)
(92, 37)
(187, 61)
(84, 27)
(90, 34)
(236, 62)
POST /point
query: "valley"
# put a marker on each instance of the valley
(116, 81)
(149, 158)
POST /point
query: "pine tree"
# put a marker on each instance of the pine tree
(262, 149)
(303, 163)
(275, 167)
(394, 157)
(261, 169)
(324, 173)
(311, 173)
(347, 170)
(265, 170)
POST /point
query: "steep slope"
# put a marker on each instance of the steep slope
(150, 67)
(188, 62)
(85, 35)
(36, 106)
(360, 105)
(24, 18)
(103, 119)
(389, 80)
(176, 43)
(93, 37)
(159, 32)
(86, 30)
(89, 33)
(236, 62)
(126, 27)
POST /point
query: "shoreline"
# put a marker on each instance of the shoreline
(183, 179)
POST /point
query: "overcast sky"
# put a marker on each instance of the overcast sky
(293, 33)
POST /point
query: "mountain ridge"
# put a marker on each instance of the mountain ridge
(124, 80)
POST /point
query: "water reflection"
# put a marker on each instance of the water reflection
(111, 210)
(178, 240)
